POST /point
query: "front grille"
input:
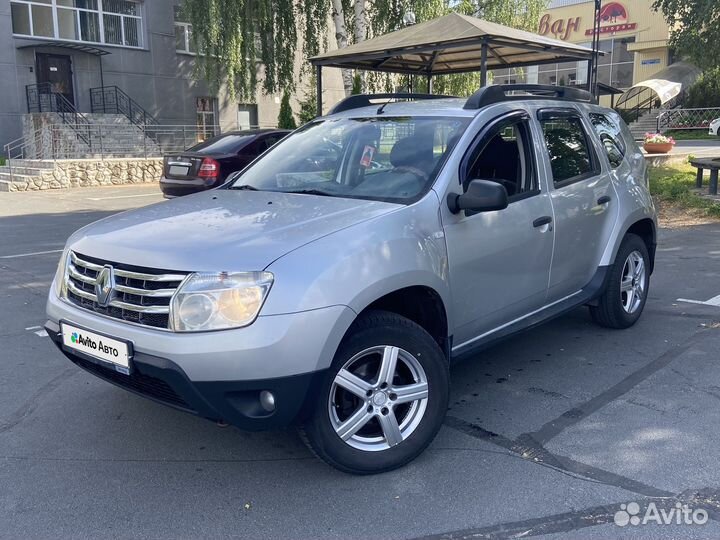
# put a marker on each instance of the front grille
(142, 295)
(139, 382)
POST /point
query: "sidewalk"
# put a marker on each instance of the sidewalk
(683, 149)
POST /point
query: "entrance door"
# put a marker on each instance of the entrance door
(56, 69)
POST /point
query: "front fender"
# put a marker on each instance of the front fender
(357, 265)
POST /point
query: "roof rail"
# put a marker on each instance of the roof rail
(497, 93)
(364, 100)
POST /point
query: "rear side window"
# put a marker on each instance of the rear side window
(224, 144)
(568, 149)
(609, 131)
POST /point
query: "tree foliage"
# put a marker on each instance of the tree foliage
(695, 29)
(246, 43)
(706, 90)
(286, 120)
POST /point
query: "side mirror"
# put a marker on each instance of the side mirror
(481, 196)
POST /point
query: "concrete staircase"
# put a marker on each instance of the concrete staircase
(114, 134)
(24, 171)
(647, 123)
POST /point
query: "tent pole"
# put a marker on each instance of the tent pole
(483, 64)
(318, 89)
(589, 75)
(429, 83)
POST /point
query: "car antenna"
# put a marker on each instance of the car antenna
(381, 107)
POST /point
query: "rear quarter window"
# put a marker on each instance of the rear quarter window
(609, 129)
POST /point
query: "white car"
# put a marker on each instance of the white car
(714, 128)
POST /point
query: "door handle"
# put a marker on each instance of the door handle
(539, 222)
(603, 200)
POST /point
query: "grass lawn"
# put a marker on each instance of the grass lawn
(673, 188)
(690, 134)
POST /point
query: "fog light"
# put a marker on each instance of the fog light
(267, 401)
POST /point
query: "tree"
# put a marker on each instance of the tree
(695, 29)
(286, 120)
(246, 43)
(357, 87)
(308, 103)
(706, 90)
(232, 36)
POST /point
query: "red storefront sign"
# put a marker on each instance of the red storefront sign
(613, 18)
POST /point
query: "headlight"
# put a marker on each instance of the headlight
(59, 283)
(207, 301)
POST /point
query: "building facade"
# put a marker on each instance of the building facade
(633, 37)
(141, 47)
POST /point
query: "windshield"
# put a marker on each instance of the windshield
(389, 159)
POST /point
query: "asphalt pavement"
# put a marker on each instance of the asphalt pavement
(548, 433)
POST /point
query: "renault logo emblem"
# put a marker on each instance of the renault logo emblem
(105, 285)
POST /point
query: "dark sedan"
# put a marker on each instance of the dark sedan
(207, 164)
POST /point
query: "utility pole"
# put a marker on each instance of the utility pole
(592, 76)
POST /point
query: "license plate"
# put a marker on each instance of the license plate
(178, 170)
(105, 348)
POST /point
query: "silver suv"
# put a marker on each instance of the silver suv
(331, 283)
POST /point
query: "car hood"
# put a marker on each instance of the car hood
(220, 230)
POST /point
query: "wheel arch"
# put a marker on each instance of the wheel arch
(646, 230)
(421, 304)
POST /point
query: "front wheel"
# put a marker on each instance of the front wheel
(623, 300)
(384, 397)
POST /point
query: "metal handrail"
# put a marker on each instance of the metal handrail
(694, 118)
(43, 98)
(107, 141)
(113, 100)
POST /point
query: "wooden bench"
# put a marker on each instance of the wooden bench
(712, 164)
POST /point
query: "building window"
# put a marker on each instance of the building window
(614, 68)
(110, 22)
(205, 107)
(183, 33)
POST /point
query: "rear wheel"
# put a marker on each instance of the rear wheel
(384, 398)
(623, 300)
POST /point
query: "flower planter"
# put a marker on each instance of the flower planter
(657, 148)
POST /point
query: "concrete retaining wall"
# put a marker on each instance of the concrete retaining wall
(68, 173)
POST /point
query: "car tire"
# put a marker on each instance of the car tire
(628, 282)
(383, 399)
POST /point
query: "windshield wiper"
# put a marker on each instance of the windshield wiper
(312, 192)
(246, 187)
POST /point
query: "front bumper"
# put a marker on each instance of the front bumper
(273, 346)
(235, 402)
(219, 375)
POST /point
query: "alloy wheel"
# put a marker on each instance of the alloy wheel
(633, 282)
(378, 398)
